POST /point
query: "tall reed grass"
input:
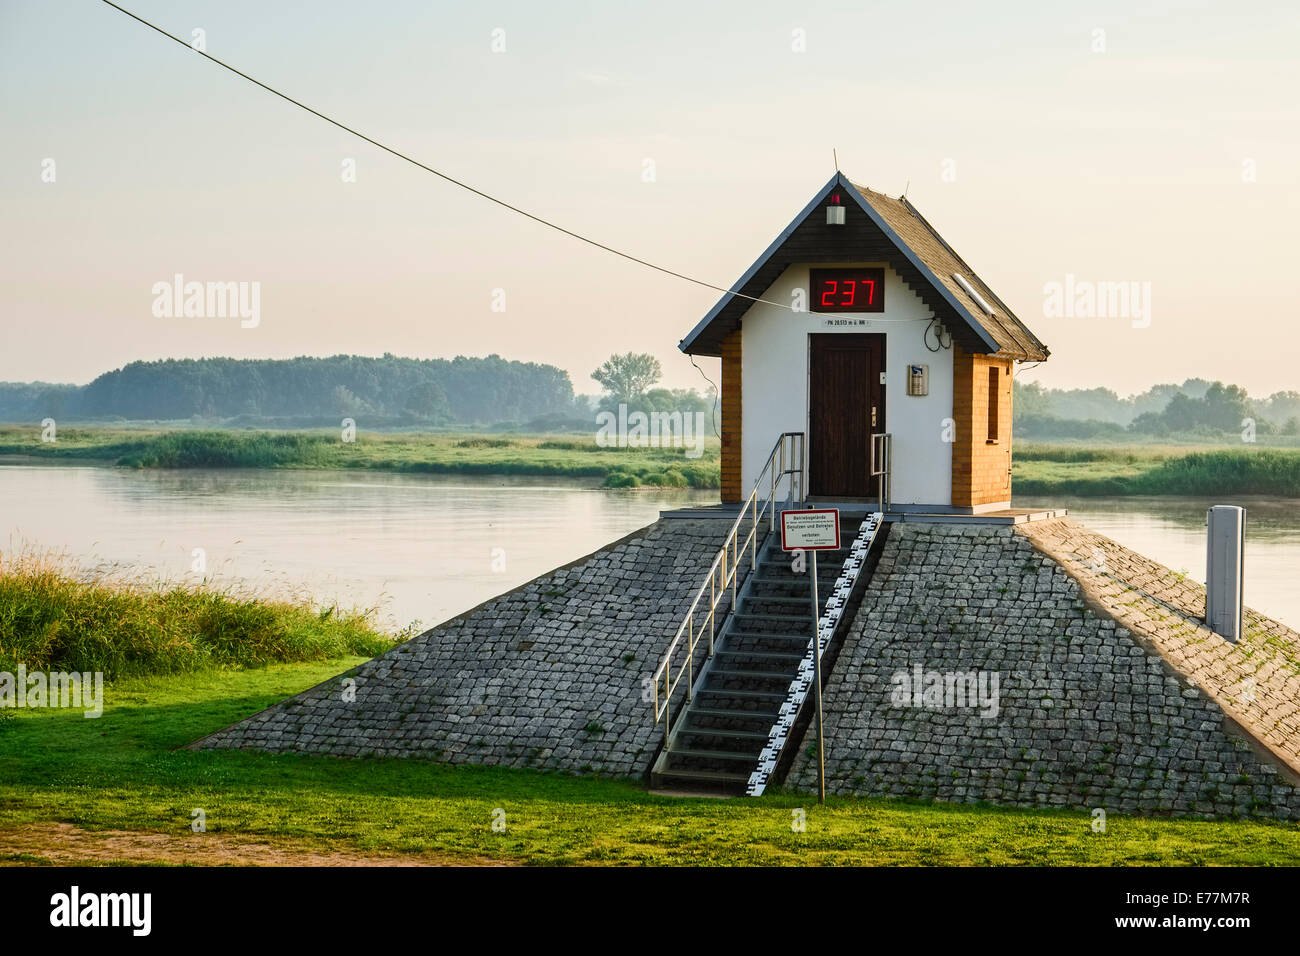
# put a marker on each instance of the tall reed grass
(215, 449)
(1274, 472)
(52, 619)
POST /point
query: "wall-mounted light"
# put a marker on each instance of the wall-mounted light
(835, 212)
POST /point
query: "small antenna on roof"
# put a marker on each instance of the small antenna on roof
(906, 188)
(835, 157)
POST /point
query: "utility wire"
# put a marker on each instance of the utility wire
(441, 175)
(717, 394)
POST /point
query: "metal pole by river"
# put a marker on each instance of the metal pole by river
(817, 680)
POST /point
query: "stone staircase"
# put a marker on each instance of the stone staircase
(720, 733)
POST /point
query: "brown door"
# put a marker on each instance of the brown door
(846, 404)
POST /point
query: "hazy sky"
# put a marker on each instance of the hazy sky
(1131, 164)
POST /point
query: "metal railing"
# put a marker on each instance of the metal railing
(786, 461)
(882, 450)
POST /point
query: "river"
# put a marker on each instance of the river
(425, 548)
(417, 548)
(1172, 531)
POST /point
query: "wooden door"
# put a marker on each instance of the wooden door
(846, 404)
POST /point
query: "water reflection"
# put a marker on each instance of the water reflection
(429, 547)
(424, 547)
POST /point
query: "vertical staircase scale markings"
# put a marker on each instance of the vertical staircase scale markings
(720, 735)
(778, 736)
(754, 671)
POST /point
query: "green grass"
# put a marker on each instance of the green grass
(1145, 470)
(538, 455)
(53, 620)
(122, 772)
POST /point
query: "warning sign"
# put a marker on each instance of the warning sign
(817, 529)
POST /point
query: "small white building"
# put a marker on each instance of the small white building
(871, 330)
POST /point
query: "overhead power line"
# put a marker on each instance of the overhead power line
(429, 169)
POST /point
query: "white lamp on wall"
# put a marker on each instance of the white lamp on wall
(835, 212)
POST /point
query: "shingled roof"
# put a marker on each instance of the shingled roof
(888, 230)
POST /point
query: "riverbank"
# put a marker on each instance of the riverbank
(558, 456)
(1120, 471)
(128, 772)
(53, 619)
(1038, 469)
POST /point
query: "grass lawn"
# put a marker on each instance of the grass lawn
(121, 772)
(566, 456)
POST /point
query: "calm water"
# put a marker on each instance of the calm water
(423, 548)
(420, 547)
(1172, 531)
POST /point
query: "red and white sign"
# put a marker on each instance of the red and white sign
(817, 529)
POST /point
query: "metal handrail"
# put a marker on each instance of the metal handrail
(787, 459)
(885, 441)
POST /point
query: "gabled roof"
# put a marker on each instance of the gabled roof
(877, 228)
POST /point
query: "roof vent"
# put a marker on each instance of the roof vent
(835, 212)
(970, 291)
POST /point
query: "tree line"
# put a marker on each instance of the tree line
(378, 392)
(1196, 407)
(308, 391)
(494, 391)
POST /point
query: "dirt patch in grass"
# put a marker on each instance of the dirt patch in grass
(62, 844)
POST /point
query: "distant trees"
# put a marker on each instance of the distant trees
(427, 400)
(1196, 407)
(1038, 427)
(628, 376)
(494, 391)
(1101, 404)
(1281, 407)
(346, 403)
(628, 379)
(1031, 399)
(1223, 408)
(307, 390)
(32, 401)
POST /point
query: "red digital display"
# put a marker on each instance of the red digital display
(848, 290)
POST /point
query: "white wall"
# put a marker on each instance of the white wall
(774, 387)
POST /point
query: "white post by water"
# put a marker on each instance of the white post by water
(817, 680)
(1224, 575)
